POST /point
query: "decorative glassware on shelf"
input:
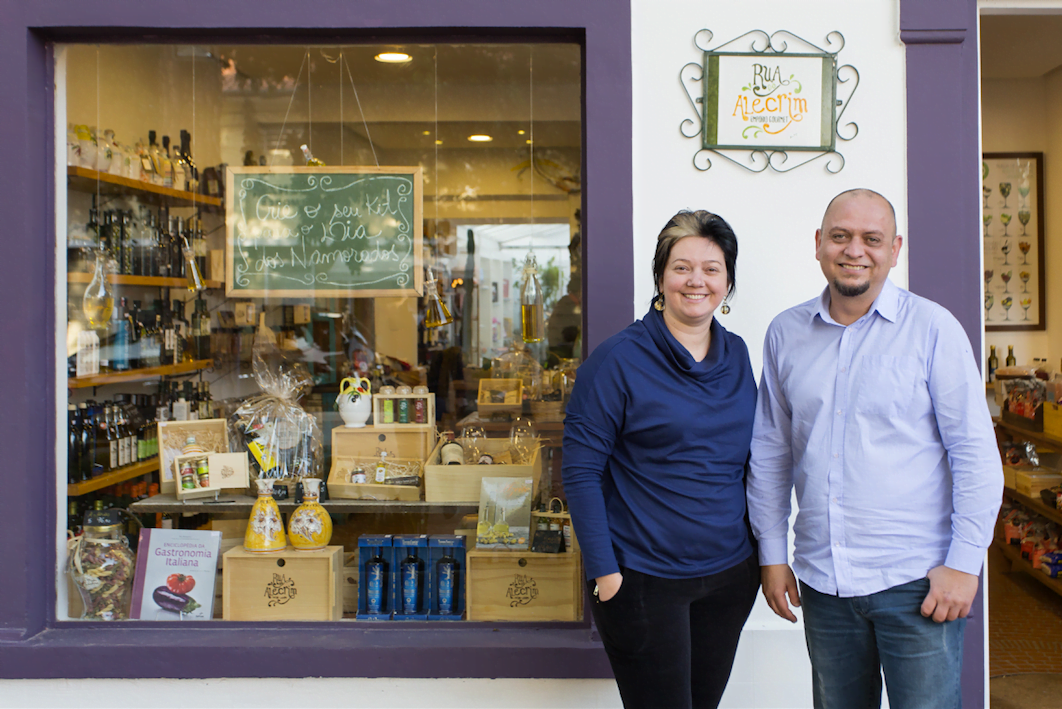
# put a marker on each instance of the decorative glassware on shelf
(310, 526)
(437, 313)
(523, 439)
(98, 302)
(532, 311)
(311, 161)
(519, 364)
(191, 269)
(472, 438)
(265, 529)
(102, 566)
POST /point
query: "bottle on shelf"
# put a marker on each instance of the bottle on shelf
(412, 580)
(1011, 361)
(993, 364)
(447, 570)
(120, 342)
(381, 468)
(376, 572)
(88, 442)
(166, 165)
(201, 330)
(451, 453)
(111, 432)
(73, 445)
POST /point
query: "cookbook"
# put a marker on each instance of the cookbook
(175, 574)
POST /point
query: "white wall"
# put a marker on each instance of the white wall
(774, 215)
(1015, 119)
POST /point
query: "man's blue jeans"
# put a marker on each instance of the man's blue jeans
(851, 640)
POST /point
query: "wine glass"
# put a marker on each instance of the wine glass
(989, 302)
(1006, 275)
(1006, 303)
(1005, 219)
(1005, 248)
(988, 277)
(986, 191)
(522, 440)
(1024, 216)
(987, 219)
(1025, 303)
(1023, 190)
(1024, 276)
(472, 438)
(1004, 189)
(1024, 247)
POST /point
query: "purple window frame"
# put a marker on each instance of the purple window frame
(33, 644)
(944, 265)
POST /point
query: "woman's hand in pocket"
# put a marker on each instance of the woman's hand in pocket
(608, 586)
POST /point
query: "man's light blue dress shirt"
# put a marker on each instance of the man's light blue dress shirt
(883, 429)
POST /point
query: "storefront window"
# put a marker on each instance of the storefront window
(323, 263)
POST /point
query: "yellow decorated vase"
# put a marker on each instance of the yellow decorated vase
(265, 529)
(310, 526)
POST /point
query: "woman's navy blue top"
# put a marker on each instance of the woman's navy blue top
(655, 446)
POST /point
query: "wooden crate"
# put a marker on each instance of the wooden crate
(350, 583)
(1052, 420)
(340, 486)
(1031, 481)
(547, 411)
(378, 407)
(514, 396)
(461, 483)
(524, 586)
(286, 585)
(212, 434)
(237, 475)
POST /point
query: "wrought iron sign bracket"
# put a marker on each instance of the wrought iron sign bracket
(785, 103)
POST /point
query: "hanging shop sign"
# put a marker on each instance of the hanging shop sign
(766, 101)
(323, 231)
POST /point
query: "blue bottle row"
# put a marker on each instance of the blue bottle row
(411, 577)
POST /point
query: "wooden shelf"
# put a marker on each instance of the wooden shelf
(134, 375)
(1034, 436)
(1035, 504)
(168, 503)
(83, 179)
(112, 478)
(1017, 563)
(150, 281)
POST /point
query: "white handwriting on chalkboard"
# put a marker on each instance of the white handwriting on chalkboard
(348, 255)
(266, 208)
(267, 262)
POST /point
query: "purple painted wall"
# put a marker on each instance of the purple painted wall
(32, 644)
(943, 198)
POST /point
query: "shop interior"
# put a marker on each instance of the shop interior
(1021, 94)
(438, 307)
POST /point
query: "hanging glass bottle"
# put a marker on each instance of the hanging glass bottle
(532, 312)
(438, 314)
(192, 275)
(98, 301)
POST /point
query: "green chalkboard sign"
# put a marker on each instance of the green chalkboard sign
(347, 232)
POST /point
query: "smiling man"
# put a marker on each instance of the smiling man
(872, 407)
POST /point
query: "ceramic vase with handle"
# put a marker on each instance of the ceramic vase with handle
(310, 526)
(354, 401)
(265, 529)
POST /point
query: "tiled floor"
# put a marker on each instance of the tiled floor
(1025, 622)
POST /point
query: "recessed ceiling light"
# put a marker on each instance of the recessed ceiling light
(480, 138)
(521, 131)
(427, 132)
(438, 142)
(528, 142)
(393, 57)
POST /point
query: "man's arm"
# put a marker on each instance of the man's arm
(770, 483)
(958, 396)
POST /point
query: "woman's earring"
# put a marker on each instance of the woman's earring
(726, 308)
(659, 304)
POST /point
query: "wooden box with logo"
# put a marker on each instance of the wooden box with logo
(285, 585)
(524, 586)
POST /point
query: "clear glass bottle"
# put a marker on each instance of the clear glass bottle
(532, 311)
(102, 566)
(98, 301)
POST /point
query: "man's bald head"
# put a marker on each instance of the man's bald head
(861, 192)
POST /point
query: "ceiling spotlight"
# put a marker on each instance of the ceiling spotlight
(521, 131)
(427, 132)
(528, 142)
(393, 57)
(480, 138)
(438, 142)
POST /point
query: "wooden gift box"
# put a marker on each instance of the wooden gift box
(212, 434)
(236, 476)
(284, 585)
(523, 586)
(378, 410)
(352, 446)
(514, 396)
(461, 483)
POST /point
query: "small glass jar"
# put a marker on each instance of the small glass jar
(102, 566)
